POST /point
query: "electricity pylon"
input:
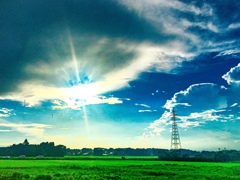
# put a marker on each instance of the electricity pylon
(175, 140)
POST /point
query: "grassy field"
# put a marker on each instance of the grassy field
(115, 169)
(110, 157)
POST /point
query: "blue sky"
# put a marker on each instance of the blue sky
(107, 73)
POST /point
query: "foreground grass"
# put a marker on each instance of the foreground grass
(115, 169)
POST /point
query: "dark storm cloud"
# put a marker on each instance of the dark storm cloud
(110, 19)
(39, 30)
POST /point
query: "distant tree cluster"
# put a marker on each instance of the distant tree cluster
(163, 154)
(116, 152)
(188, 155)
(49, 149)
(231, 155)
(45, 149)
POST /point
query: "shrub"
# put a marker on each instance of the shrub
(43, 177)
(16, 175)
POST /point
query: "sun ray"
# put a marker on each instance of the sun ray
(74, 58)
(85, 118)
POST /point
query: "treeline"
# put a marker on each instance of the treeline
(132, 152)
(113, 151)
(44, 149)
(49, 149)
(163, 154)
(204, 156)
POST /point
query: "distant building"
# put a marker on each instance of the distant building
(40, 157)
(22, 156)
(6, 157)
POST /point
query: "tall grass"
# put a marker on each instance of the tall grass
(115, 169)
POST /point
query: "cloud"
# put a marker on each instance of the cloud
(234, 52)
(201, 97)
(5, 112)
(234, 26)
(205, 10)
(54, 82)
(31, 129)
(61, 98)
(158, 126)
(233, 105)
(233, 79)
(5, 130)
(142, 105)
(146, 110)
(196, 119)
(191, 120)
(86, 48)
(99, 40)
(233, 76)
(201, 104)
(199, 27)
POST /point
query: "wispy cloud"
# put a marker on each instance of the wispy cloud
(229, 52)
(158, 126)
(5, 112)
(146, 110)
(5, 130)
(31, 129)
(142, 105)
(233, 105)
(234, 26)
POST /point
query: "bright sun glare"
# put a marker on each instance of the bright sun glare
(81, 92)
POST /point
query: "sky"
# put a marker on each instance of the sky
(107, 73)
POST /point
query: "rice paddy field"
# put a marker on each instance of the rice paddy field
(114, 168)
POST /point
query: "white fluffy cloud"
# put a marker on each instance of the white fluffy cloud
(202, 103)
(233, 76)
(199, 97)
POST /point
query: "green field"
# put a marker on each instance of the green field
(115, 169)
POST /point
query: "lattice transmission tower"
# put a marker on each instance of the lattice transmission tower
(175, 140)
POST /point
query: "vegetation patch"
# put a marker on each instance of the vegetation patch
(116, 169)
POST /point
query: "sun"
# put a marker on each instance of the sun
(82, 91)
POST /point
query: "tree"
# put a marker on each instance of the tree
(221, 156)
(25, 142)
